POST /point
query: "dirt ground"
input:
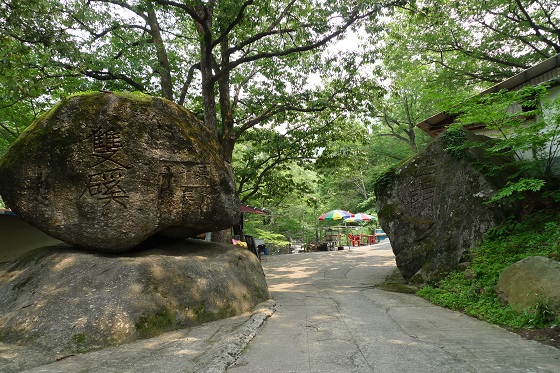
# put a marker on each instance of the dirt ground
(549, 336)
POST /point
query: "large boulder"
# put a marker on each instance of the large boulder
(106, 171)
(530, 282)
(433, 208)
(69, 300)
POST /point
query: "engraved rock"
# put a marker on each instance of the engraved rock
(107, 171)
(433, 208)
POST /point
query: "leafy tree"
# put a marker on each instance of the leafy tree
(412, 90)
(237, 63)
(397, 113)
(476, 42)
(265, 167)
(28, 65)
(435, 53)
(292, 210)
(343, 169)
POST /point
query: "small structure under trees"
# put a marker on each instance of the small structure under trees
(547, 71)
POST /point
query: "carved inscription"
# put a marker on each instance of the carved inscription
(107, 170)
(424, 186)
(186, 183)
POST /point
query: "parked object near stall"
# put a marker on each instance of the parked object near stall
(380, 235)
(335, 234)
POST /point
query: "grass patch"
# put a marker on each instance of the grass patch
(535, 234)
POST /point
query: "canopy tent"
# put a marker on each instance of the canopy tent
(239, 230)
(360, 217)
(246, 209)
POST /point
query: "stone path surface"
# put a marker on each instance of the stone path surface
(330, 318)
(327, 316)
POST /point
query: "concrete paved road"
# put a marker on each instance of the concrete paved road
(330, 318)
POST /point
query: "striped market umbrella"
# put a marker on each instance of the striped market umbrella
(359, 217)
(336, 215)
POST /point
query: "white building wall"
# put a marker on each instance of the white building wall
(551, 116)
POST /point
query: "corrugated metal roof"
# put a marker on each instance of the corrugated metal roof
(545, 71)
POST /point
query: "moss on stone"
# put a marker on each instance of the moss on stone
(389, 212)
(200, 314)
(385, 180)
(399, 288)
(228, 310)
(151, 325)
(79, 338)
(455, 141)
(396, 283)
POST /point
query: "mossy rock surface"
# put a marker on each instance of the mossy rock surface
(531, 283)
(433, 208)
(107, 171)
(68, 300)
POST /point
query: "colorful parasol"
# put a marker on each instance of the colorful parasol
(336, 215)
(360, 217)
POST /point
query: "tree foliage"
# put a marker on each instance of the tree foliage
(433, 54)
(476, 43)
(237, 63)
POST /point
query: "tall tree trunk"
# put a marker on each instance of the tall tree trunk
(161, 52)
(204, 28)
(227, 136)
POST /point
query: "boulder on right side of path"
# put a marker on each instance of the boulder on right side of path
(433, 208)
(529, 282)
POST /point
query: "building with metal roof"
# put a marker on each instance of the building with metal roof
(546, 71)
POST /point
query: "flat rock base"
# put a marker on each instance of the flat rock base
(67, 300)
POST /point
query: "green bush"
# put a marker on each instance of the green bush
(270, 238)
(535, 234)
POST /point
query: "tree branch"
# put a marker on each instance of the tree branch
(536, 28)
(188, 82)
(303, 48)
(235, 22)
(9, 131)
(107, 75)
(134, 9)
(191, 11)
